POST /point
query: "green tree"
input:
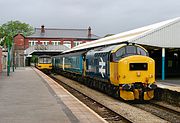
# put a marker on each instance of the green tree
(11, 28)
(34, 59)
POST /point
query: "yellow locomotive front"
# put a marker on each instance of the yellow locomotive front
(133, 71)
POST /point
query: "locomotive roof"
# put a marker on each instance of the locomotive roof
(108, 48)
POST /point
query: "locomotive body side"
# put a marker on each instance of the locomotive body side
(97, 65)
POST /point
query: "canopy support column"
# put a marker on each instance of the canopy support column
(163, 63)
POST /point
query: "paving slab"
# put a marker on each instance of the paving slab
(25, 99)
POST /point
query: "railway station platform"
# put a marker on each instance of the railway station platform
(171, 84)
(29, 96)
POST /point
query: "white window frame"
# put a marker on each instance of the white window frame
(32, 42)
(44, 42)
(77, 43)
(56, 42)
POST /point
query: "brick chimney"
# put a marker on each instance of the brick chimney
(42, 29)
(89, 31)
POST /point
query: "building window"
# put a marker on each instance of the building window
(44, 42)
(55, 42)
(76, 43)
(32, 43)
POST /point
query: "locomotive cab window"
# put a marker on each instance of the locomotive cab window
(44, 60)
(141, 51)
(47, 60)
(131, 50)
(120, 52)
(128, 51)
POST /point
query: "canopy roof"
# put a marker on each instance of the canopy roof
(164, 34)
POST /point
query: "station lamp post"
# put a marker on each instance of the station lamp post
(13, 56)
(8, 62)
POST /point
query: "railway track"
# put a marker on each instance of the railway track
(111, 109)
(103, 111)
(161, 111)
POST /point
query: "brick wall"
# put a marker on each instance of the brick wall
(19, 42)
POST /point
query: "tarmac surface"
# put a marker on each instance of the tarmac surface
(27, 97)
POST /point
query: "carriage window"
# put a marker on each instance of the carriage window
(131, 50)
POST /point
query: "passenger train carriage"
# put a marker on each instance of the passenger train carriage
(122, 70)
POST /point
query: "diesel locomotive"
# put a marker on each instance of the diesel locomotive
(122, 70)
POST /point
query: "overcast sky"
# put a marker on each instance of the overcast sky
(104, 16)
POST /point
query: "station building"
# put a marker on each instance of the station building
(49, 37)
(162, 40)
(53, 36)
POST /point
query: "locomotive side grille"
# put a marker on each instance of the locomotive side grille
(138, 66)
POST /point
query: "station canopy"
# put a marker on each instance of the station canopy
(45, 49)
(165, 34)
